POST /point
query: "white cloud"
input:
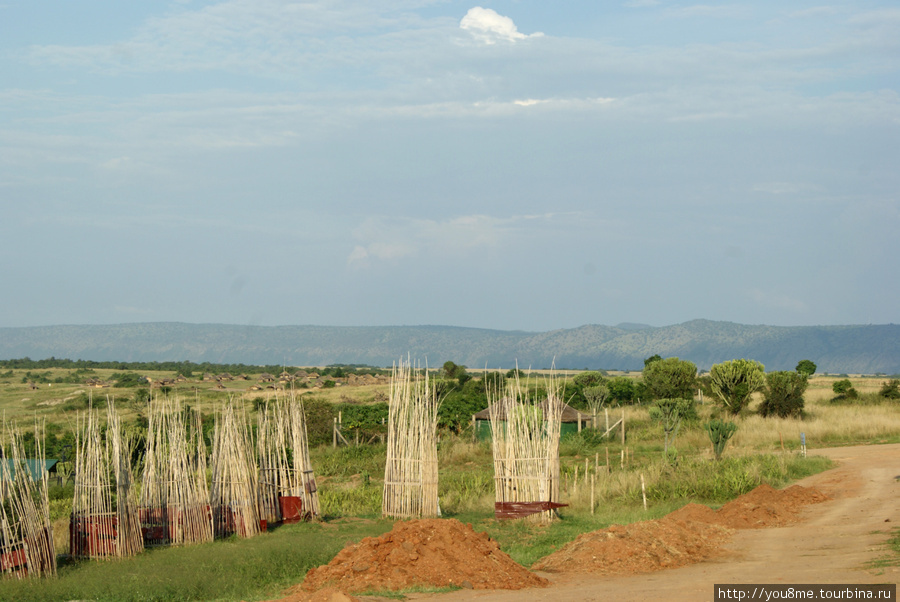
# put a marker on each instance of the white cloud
(778, 301)
(387, 239)
(489, 27)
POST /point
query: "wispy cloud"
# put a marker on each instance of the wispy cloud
(780, 301)
(383, 239)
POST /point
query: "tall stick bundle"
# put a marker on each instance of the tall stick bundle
(285, 467)
(411, 469)
(174, 495)
(26, 536)
(104, 508)
(525, 441)
(233, 496)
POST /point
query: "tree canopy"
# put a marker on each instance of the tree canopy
(670, 378)
(734, 381)
(806, 367)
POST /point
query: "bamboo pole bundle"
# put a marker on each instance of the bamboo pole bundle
(104, 507)
(271, 468)
(285, 466)
(296, 417)
(26, 535)
(174, 495)
(525, 443)
(411, 470)
(233, 496)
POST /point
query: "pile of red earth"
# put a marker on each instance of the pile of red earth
(426, 552)
(691, 534)
(637, 548)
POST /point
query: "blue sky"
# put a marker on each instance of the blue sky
(512, 165)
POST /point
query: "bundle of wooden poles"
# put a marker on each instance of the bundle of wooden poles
(174, 506)
(411, 468)
(287, 483)
(525, 435)
(26, 536)
(104, 509)
(234, 492)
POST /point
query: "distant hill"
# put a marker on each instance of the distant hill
(837, 349)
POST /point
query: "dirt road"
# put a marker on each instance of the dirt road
(831, 543)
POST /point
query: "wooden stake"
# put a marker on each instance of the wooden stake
(592, 494)
(644, 491)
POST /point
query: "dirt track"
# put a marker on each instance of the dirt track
(831, 543)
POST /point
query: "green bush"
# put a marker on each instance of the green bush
(843, 389)
(670, 378)
(890, 389)
(719, 433)
(783, 396)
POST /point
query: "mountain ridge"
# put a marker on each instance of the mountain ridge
(866, 349)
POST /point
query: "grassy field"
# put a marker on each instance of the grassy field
(350, 485)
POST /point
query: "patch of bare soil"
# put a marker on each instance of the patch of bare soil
(426, 552)
(328, 594)
(637, 548)
(692, 534)
(768, 507)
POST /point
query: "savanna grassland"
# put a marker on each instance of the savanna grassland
(601, 477)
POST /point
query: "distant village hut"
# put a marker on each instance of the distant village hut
(571, 420)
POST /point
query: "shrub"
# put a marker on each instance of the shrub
(891, 389)
(670, 378)
(783, 396)
(843, 389)
(621, 389)
(591, 378)
(670, 413)
(719, 433)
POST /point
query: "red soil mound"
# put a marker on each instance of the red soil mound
(429, 552)
(691, 534)
(767, 507)
(637, 548)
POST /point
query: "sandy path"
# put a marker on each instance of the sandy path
(830, 544)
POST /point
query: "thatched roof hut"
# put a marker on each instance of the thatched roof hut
(572, 420)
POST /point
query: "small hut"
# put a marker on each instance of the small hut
(571, 420)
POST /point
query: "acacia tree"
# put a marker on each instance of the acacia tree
(806, 367)
(734, 381)
(670, 378)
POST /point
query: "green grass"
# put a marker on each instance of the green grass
(234, 569)
(892, 558)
